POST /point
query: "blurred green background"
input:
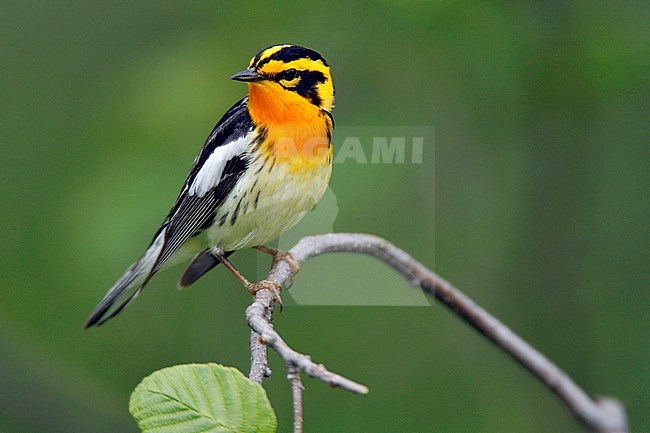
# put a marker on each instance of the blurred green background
(540, 198)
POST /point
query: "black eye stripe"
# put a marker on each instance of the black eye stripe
(308, 85)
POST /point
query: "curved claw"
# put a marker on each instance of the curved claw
(271, 286)
(286, 256)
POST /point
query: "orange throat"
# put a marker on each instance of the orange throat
(296, 131)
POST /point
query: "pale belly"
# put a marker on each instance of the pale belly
(265, 204)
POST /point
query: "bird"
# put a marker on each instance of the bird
(263, 167)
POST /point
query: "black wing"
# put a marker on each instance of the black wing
(214, 173)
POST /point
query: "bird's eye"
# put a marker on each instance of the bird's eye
(289, 75)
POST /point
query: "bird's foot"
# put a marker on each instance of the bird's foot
(285, 256)
(271, 286)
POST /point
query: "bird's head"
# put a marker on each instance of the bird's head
(284, 77)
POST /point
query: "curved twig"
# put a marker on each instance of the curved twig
(599, 415)
(256, 316)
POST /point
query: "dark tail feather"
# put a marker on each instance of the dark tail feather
(200, 264)
(128, 286)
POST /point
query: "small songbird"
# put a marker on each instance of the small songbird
(263, 167)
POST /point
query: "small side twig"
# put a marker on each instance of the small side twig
(293, 374)
(257, 320)
(598, 415)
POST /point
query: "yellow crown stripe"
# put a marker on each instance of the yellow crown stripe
(304, 64)
(266, 54)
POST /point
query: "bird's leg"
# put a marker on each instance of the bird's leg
(220, 254)
(279, 254)
(252, 288)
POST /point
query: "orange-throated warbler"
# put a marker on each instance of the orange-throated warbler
(263, 167)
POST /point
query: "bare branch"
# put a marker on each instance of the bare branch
(293, 374)
(259, 364)
(601, 416)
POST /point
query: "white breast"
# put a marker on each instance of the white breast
(268, 200)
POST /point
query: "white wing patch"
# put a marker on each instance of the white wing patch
(210, 174)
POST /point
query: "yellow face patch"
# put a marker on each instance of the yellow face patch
(324, 90)
(271, 104)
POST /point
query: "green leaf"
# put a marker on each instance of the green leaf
(206, 398)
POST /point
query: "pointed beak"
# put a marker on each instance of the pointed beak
(248, 75)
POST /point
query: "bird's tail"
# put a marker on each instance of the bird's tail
(129, 285)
